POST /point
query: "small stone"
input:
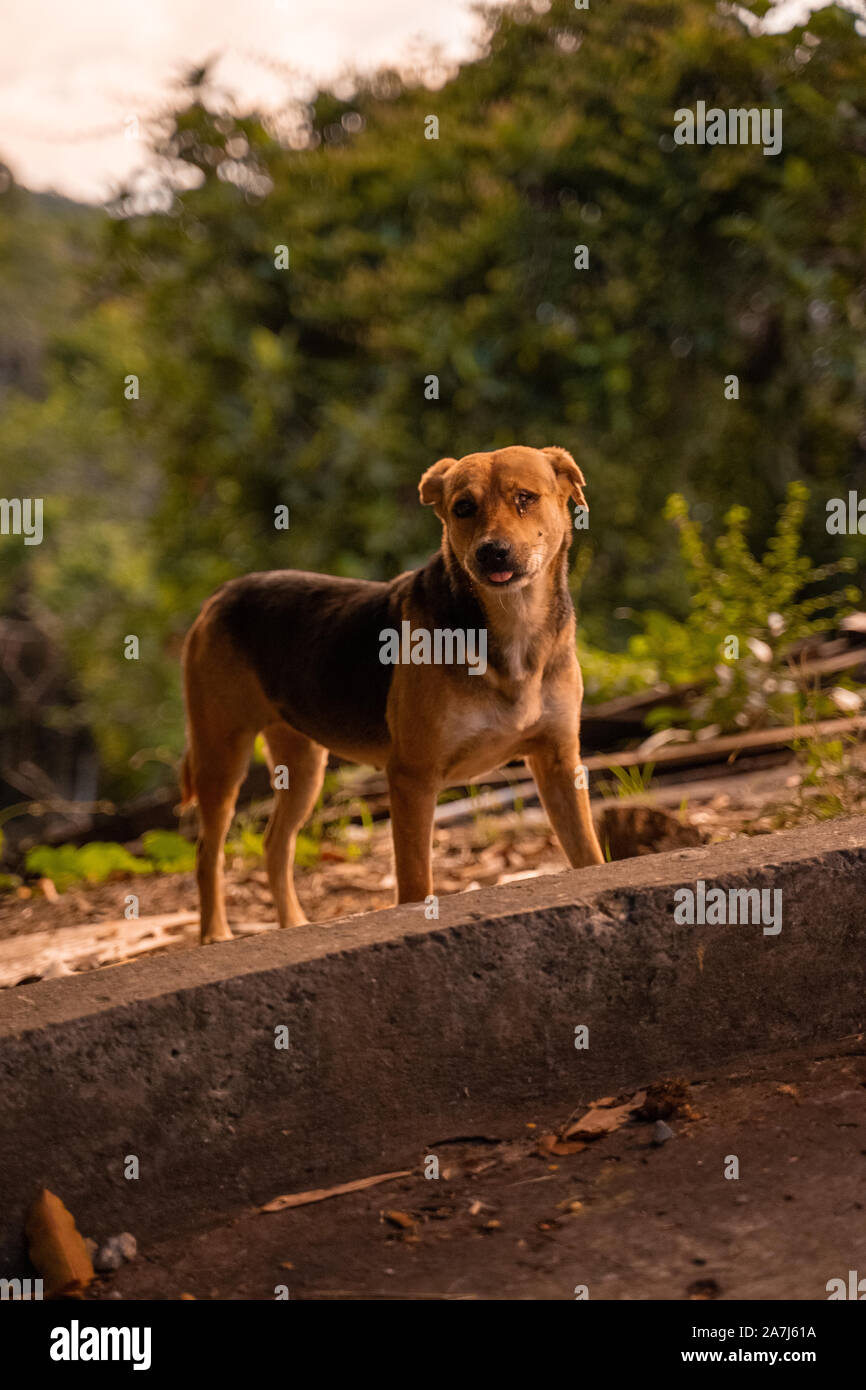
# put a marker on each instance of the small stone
(662, 1132)
(108, 1258)
(115, 1251)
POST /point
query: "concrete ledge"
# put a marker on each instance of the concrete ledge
(405, 1032)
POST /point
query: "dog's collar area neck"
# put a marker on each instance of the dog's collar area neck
(472, 604)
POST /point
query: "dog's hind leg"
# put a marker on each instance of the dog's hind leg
(217, 770)
(297, 771)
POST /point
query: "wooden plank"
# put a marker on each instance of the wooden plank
(63, 950)
(825, 665)
(628, 706)
(729, 745)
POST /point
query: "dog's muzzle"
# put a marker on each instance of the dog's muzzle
(495, 561)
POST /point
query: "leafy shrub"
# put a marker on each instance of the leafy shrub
(247, 842)
(168, 851)
(66, 865)
(768, 606)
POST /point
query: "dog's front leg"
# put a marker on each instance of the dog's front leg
(413, 802)
(556, 767)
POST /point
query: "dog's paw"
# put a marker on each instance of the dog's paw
(216, 934)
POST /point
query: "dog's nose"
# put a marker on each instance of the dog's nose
(493, 555)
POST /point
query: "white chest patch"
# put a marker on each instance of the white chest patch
(481, 734)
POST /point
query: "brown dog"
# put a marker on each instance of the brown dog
(439, 676)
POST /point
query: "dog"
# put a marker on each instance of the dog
(299, 658)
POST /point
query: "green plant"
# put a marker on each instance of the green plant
(66, 865)
(307, 851)
(607, 675)
(747, 614)
(832, 777)
(168, 851)
(632, 781)
(246, 843)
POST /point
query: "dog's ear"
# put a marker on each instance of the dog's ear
(569, 477)
(432, 485)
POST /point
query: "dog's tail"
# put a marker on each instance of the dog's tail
(187, 788)
(187, 778)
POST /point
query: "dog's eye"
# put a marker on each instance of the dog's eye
(525, 499)
(465, 507)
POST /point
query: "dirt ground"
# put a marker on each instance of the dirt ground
(628, 1217)
(354, 872)
(345, 880)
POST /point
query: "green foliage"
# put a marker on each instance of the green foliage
(307, 851)
(246, 843)
(454, 257)
(66, 865)
(746, 614)
(633, 781)
(607, 674)
(168, 851)
(832, 780)
(769, 606)
(738, 592)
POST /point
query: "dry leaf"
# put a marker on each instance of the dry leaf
(600, 1121)
(320, 1194)
(56, 1248)
(552, 1144)
(400, 1218)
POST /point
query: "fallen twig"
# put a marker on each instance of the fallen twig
(320, 1194)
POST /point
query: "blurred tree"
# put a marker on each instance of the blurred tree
(454, 257)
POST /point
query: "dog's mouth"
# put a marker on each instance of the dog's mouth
(502, 579)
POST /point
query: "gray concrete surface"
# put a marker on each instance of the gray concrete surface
(402, 1029)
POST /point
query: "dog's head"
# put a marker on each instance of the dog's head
(505, 513)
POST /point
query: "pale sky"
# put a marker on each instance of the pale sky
(74, 73)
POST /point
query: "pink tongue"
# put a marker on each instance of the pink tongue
(501, 577)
